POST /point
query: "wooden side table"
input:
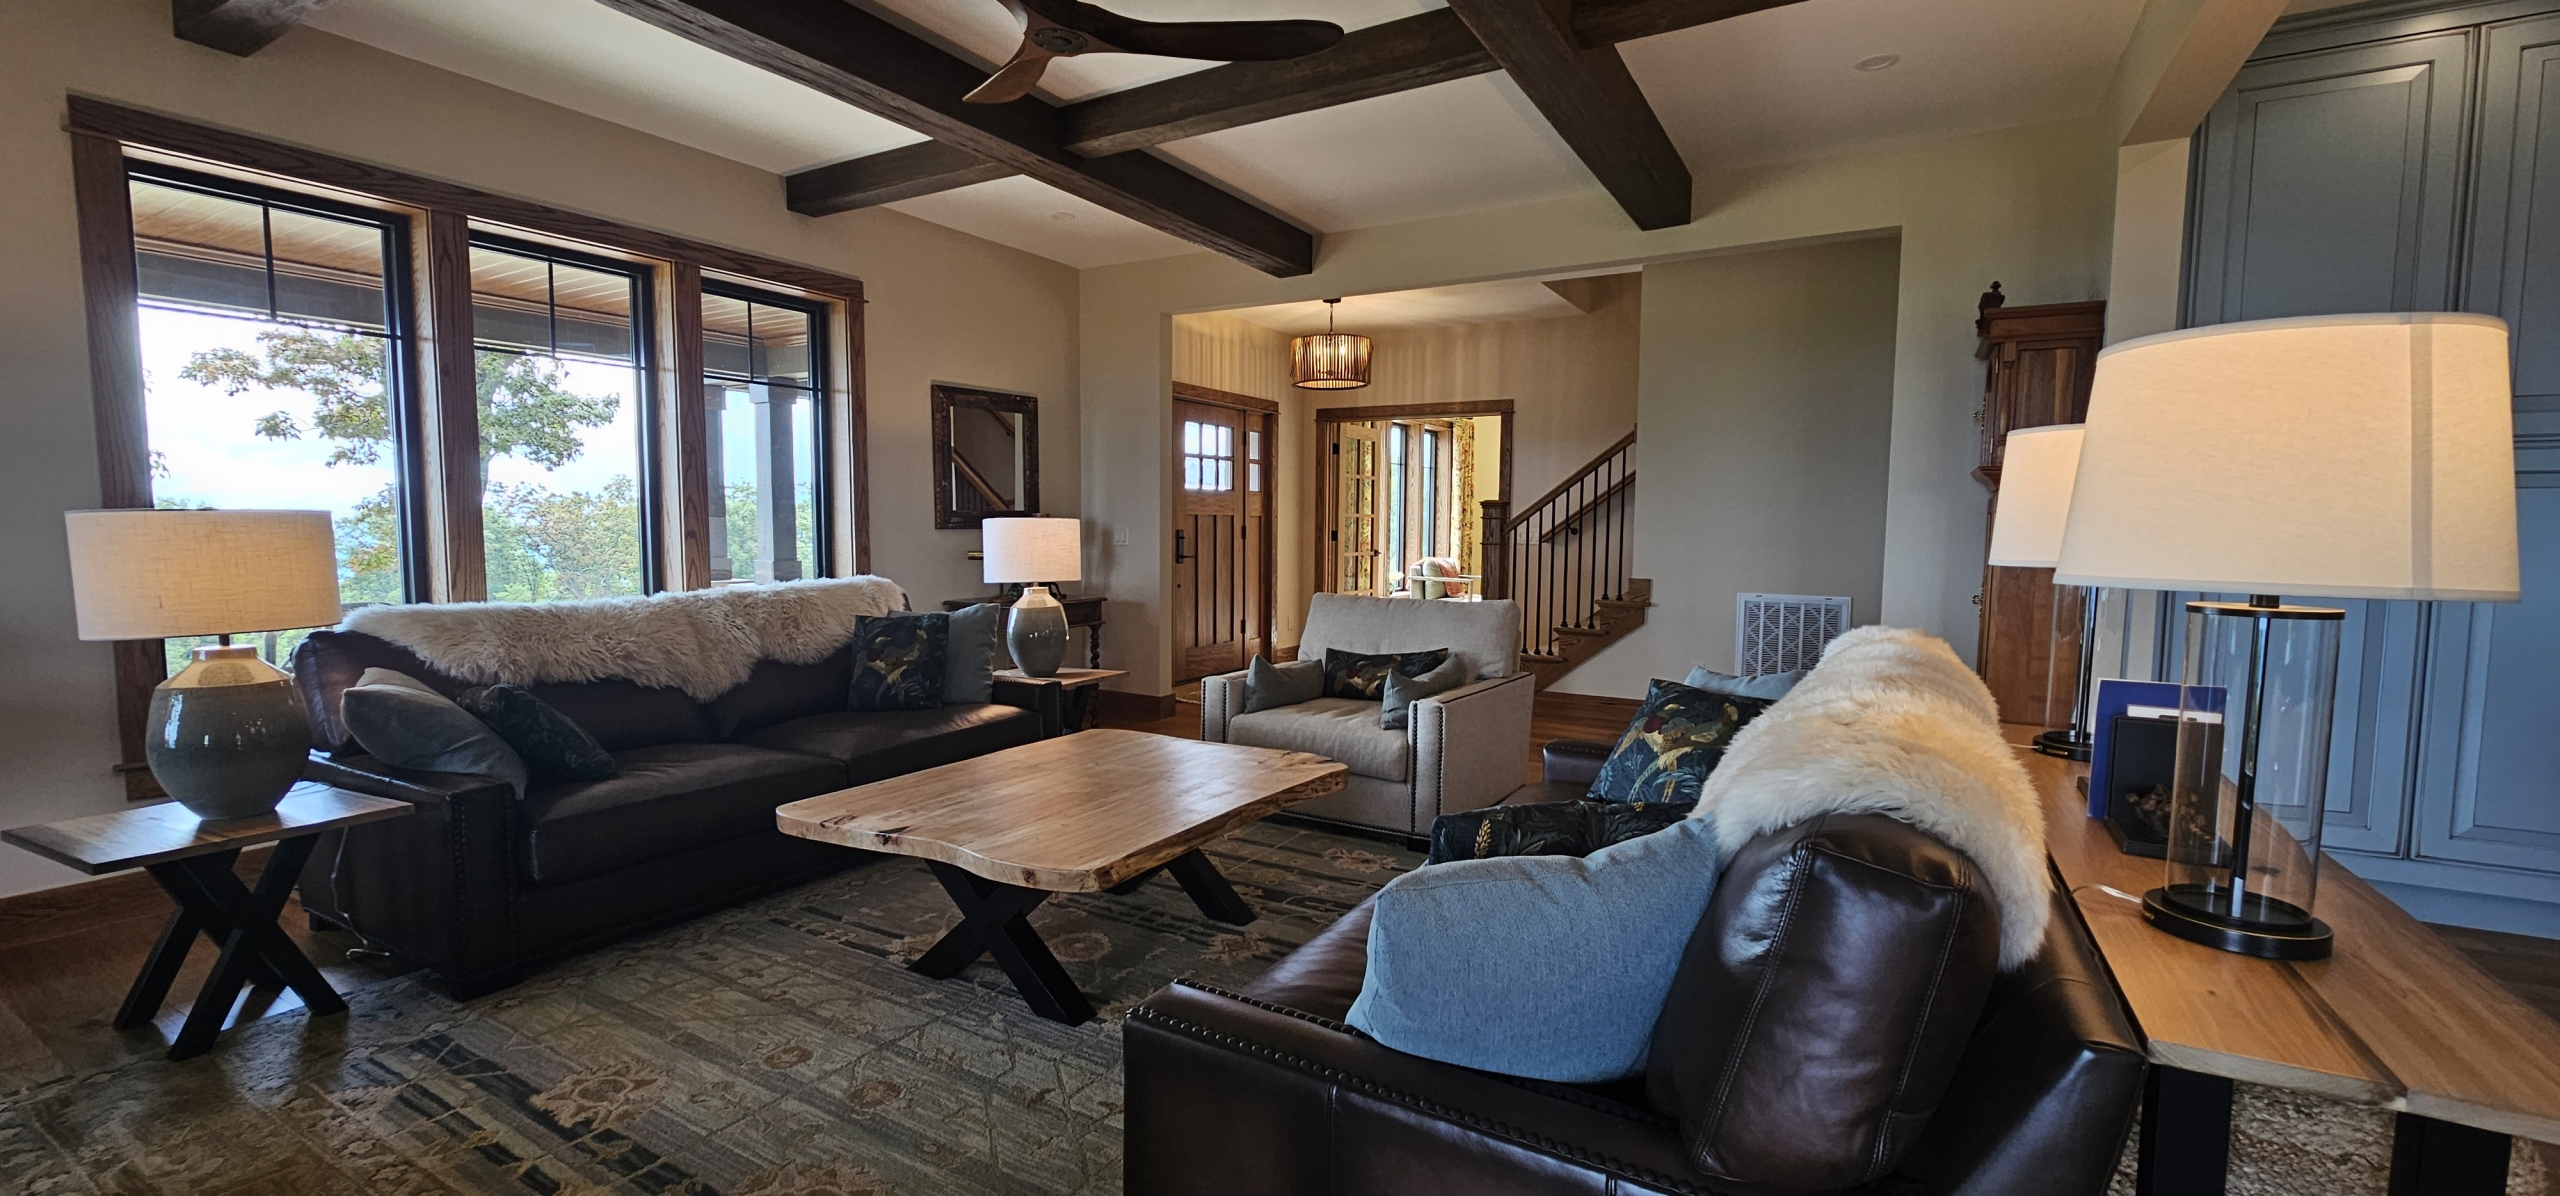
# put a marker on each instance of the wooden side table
(193, 860)
(1078, 697)
(1083, 610)
(2396, 1019)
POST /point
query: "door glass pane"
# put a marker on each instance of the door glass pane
(268, 379)
(559, 389)
(761, 390)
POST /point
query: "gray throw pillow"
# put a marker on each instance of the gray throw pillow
(969, 655)
(1402, 690)
(1767, 686)
(1269, 686)
(1549, 967)
(406, 725)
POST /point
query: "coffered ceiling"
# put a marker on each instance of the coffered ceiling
(1767, 86)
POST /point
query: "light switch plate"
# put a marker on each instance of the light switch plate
(1119, 537)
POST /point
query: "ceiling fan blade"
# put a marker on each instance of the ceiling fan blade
(1222, 41)
(1016, 79)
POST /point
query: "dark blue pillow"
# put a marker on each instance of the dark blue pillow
(898, 661)
(1677, 738)
(554, 747)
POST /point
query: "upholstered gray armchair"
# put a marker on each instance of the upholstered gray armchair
(1460, 750)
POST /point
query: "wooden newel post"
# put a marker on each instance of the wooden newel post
(1496, 529)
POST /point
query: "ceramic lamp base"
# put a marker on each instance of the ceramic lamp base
(1035, 632)
(227, 736)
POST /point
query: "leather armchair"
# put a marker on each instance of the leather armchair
(1460, 750)
(1265, 1092)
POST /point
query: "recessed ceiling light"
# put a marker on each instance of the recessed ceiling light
(1062, 217)
(1877, 62)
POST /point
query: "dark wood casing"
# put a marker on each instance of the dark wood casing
(2039, 363)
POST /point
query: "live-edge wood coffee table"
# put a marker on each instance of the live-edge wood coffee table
(192, 859)
(1100, 812)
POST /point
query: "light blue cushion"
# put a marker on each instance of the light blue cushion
(969, 662)
(1549, 967)
(1771, 686)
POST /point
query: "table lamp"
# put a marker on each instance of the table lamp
(227, 736)
(2361, 456)
(1030, 550)
(2036, 469)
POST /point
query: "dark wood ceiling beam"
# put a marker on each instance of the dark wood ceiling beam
(887, 177)
(1591, 101)
(241, 27)
(1399, 55)
(844, 52)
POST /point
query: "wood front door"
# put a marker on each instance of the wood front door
(1211, 540)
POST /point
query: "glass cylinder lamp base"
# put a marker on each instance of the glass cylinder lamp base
(2262, 926)
(2066, 743)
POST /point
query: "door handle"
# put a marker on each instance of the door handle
(1179, 555)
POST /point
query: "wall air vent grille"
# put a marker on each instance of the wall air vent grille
(1781, 633)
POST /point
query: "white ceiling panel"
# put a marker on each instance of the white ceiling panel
(1460, 146)
(1782, 84)
(583, 56)
(1046, 221)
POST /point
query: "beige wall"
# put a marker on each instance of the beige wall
(1766, 403)
(2027, 206)
(943, 306)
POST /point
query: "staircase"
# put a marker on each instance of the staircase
(1564, 558)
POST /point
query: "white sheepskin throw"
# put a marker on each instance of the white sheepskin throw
(1891, 722)
(703, 642)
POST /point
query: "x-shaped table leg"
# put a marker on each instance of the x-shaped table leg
(1201, 879)
(994, 920)
(212, 902)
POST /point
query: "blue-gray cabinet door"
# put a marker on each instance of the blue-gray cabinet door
(2330, 183)
(2489, 765)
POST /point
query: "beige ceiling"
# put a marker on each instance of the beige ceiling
(1772, 86)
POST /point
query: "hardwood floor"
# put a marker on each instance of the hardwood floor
(67, 955)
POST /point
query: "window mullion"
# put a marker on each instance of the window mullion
(686, 414)
(452, 404)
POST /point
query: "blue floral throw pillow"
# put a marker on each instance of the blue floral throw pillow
(1353, 675)
(898, 661)
(1677, 738)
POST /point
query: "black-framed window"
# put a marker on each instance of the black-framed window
(764, 397)
(567, 444)
(276, 355)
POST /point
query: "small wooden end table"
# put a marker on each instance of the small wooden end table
(193, 860)
(1079, 697)
(1100, 812)
(2397, 1019)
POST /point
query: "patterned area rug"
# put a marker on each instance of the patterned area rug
(778, 1049)
(773, 1049)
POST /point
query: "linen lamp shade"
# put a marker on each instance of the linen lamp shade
(152, 574)
(2363, 456)
(1032, 549)
(2036, 469)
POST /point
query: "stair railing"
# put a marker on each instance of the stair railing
(1563, 554)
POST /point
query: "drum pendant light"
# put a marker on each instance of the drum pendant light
(1331, 361)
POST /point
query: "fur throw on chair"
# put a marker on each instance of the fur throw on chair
(1891, 722)
(703, 642)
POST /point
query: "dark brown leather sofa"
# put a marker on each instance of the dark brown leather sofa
(479, 883)
(1265, 1092)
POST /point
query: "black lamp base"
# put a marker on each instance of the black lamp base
(2066, 743)
(2262, 926)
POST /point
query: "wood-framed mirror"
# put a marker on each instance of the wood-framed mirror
(986, 455)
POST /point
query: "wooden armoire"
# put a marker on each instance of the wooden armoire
(2038, 363)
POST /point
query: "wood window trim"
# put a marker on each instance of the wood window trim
(443, 215)
(1224, 398)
